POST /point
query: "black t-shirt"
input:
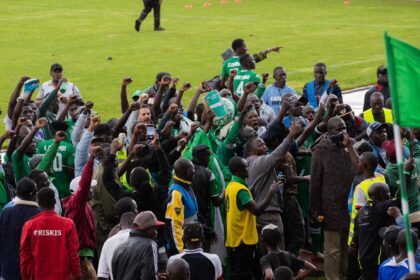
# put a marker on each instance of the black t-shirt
(368, 221)
(282, 258)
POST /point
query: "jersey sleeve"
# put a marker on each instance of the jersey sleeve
(175, 215)
(243, 198)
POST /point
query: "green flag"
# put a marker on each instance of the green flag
(404, 77)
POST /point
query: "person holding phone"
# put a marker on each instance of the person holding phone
(331, 179)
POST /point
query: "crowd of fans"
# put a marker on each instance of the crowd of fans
(239, 188)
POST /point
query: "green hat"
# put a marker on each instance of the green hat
(137, 93)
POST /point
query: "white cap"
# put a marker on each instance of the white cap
(74, 184)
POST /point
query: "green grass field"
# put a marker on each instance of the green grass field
(81, 34)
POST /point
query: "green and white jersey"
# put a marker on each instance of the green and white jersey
(63, 160)
(242, 78)
(230, 64)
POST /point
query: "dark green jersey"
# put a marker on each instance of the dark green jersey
(63, 163)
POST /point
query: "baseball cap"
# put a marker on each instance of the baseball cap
(295, 99)
(390, 234)
(375, 126)
(56, 66)
(382, 70)
(74, 184)
(271, 234)
(137, 93)
(389, 147)
(193, 232)
(147, 219)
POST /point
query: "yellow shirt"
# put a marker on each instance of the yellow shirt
(368, 116)
(241, 225)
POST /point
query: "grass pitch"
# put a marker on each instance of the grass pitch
(82, 34)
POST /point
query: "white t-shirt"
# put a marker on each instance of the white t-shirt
(112, 243)
(48, 87)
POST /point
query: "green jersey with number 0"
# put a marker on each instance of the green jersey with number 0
(230, 64)
(242, 78)
(62, 162)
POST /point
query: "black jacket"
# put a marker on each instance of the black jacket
(11, 223)
(136, 258)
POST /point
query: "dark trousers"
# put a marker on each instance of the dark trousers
(242, 262)
(370, 273)
(148, 6)
(294, 226)
(353, 269)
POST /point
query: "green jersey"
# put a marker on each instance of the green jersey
(63, 161)
(242, 78)
(20, 165)
(230, 64)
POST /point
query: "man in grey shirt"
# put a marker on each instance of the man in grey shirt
(262, 173)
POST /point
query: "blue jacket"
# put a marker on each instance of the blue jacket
(11, 223)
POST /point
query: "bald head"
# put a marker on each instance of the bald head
(184, 169)
(377, 102)
(335, 125)
(178, 269)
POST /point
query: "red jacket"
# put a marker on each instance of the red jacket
(78, 209)
(49, 248)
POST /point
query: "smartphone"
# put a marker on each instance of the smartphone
(150, 131)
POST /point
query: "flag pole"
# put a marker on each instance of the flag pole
(404, 200)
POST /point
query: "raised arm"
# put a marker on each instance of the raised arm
(123, 167)
(40, 123)
(77, 132)
(42, 110)
(9, 134)
(67, 104)
(14, 96)
(194, 102)
(13, 141)
(163, 86)
(47, 160)
(82, 149)
(263, 54)
(249, 89)
(108, 176)
(123, 94)
(302, 138)
(121, 122)
(185, 87)
(230, 85)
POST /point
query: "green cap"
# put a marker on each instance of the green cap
(137, 93)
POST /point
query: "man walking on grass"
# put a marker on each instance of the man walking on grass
(148, 6)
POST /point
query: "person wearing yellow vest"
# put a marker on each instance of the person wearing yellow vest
(241, 222)
(377, 112)
(367, 164)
